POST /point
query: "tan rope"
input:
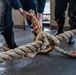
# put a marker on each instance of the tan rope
(44, 43)
(30, 49)
(53, 43)
(64, 52)
(66, 34)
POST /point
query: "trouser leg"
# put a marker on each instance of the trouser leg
(60, 8)
(7, 32)
(72, 20)
(60, 26)
(9, 42)
(72, 23)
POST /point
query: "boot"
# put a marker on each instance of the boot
(60, 26)
(72, 22)
(59, 31)
(9, 41)
(71, 40)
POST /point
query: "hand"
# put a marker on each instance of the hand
(39, 21)
(27, 15)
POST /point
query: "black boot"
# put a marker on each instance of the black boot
(71, 40)
(60, 26)
(72, 22)
(9, 41)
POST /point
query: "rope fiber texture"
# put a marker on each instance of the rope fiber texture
(44, 43)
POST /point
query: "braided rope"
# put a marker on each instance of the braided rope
(54, 42)
(29, 50)
(66, 34)
(44, 43)
(64, 52)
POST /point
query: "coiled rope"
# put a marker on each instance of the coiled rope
(44, 43)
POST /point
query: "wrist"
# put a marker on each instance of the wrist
(39, 16)
(21, 11)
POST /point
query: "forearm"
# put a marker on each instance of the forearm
(39, 19)
(15, 4)
(41, 5)
(39, 15)
(21, 11)
(24, 13)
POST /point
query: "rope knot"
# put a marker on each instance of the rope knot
(47, 39)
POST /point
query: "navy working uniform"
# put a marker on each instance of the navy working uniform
(72, 13)
(2, 11)
(6, 23)
(36, 5)
(8, 13)
(31, 4)
(60, 8)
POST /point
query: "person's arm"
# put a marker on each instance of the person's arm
(39, 19)
(24, 13)
(40, 10)
(41, 5)
(17, 6)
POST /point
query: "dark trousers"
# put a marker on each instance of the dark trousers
(6, 23)
(60, 8)
(2, 14)
(72, 13)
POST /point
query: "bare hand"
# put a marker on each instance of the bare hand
(39, 21)
(27, 15)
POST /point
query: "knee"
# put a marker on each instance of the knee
(72, 22)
